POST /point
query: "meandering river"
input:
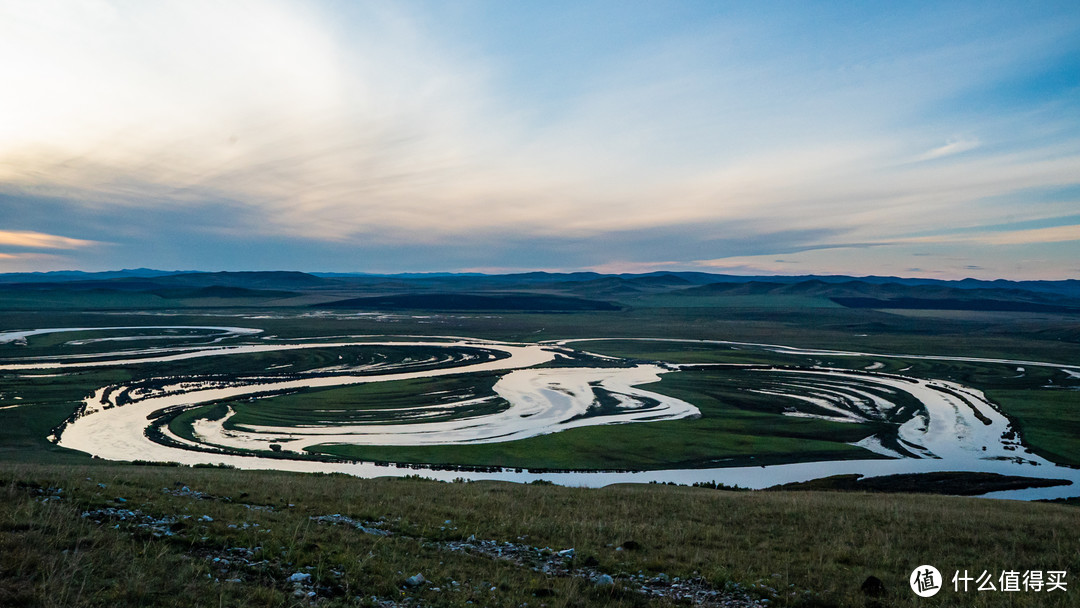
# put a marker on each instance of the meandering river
(959, 429)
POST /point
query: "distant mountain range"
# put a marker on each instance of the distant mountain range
(541, 291)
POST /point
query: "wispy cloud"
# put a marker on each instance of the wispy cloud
(38, 240)
(1055, 234)
(956, 146)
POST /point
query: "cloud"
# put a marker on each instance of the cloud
(38, 240)
(957, 146)
(318, 131)
(385, 128)
(1052, 234)
(1055, 234)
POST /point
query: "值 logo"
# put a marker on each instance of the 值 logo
(925, 581)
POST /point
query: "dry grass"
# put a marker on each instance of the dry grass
(812, 548)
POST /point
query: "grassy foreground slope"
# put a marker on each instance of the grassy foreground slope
(197, 537)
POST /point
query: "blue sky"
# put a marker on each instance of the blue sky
(911, 139)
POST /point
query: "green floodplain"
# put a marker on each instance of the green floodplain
(800, 546)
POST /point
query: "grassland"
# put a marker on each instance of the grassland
(1049, 421)
(739, 427)
(1016, 336)
(354, 404)
(736, 427)
(25, 423)
(1042, 402)
(795, 549)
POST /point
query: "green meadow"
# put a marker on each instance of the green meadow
(736, 427)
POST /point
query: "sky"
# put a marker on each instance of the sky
(937, 139)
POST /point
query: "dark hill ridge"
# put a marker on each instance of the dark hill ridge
(860, 294)
(251, 280)
(666, 280)
(220, 291)
(537, 290)
(280, 279)
(78, 275)
(622, 286)
(602, 287)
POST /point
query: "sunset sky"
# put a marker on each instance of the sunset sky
(937, 139)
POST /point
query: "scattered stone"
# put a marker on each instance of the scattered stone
(694, 591)
(873, 587)
(365, 527)
(415, 580)
(300, 577)
(157, 526)
(186, 492)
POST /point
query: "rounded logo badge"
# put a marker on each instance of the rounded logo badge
(925, 581)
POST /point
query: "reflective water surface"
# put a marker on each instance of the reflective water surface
(959, 429)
